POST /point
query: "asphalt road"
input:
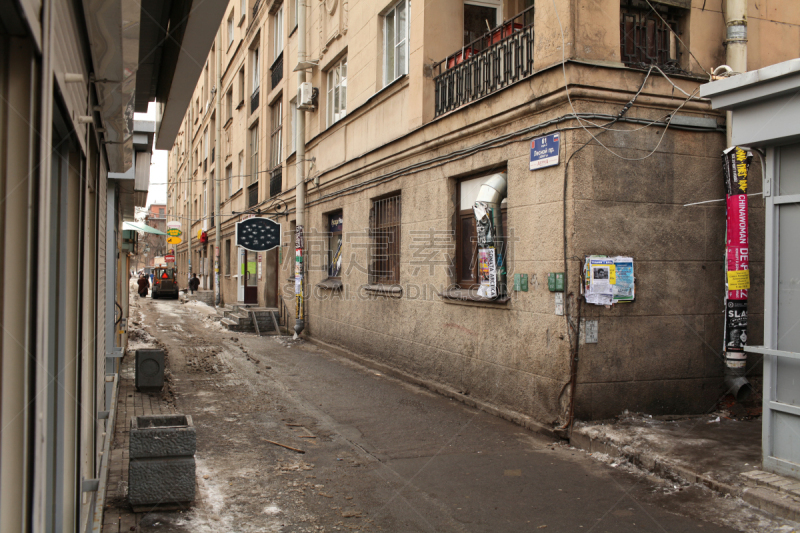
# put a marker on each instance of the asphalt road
(383, 455)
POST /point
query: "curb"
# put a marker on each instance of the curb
(500, 412)
(761, 498)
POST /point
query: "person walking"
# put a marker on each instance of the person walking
(194, 283)
(144, 284)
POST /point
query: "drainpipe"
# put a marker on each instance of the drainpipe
(189, 142)
(736, 58)
(218, 172)
(489, 225)
(300, 190)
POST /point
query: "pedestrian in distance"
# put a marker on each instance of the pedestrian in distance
(194, 283)
(144, 284)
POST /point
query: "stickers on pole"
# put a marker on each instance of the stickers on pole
(735, 167)
(608, 280)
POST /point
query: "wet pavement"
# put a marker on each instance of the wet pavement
(380, 454)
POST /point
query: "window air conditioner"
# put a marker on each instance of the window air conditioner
(305, 96)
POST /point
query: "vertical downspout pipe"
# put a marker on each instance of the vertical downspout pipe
(736, 58)
(490, 196)
(300, 190)
(190, 177)
(218, 171)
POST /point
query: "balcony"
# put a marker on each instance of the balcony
(254, 101)
(275, 182)
(212, 154)
(494, 61)
(277, 71)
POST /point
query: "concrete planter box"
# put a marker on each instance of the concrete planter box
(161, 472)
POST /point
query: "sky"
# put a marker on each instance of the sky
(157, 193)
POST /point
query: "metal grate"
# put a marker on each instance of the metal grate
(645, 39)
(275, 182)
(254, 101)
(486, 65)
(384, 225)
(277, 71)
(252, 195)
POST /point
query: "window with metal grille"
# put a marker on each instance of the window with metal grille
(648, 34)
(384, 226)
(467, 233)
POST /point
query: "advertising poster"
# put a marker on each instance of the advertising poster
(608, 280)
(487, 273)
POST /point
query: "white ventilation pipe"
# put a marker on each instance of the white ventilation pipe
(488, 220)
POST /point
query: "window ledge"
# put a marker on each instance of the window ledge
(394, 291)
(333, 284)
(241, 104)
(470, 297)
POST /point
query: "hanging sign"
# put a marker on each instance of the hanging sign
(174, 224)
(174, 240)
(169, 258)
(174, 232)
(544, 151)
(258, 234)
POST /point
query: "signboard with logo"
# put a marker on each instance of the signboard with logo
(544, 151)
(258, 234)
(169, 258)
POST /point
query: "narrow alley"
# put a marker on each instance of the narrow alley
(379, 454)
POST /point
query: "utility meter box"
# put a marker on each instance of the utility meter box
(555, 282)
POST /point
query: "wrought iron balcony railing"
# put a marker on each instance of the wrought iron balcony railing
(254, 101)
(275, 182)
(494, 61)
(277, 71)
(252, 195)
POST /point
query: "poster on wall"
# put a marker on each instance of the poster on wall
(487, 273)
(608, 280)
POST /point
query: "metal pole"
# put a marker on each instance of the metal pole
(300, 191)
(217, 171)
(735, 48)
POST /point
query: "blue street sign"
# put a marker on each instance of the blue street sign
(544, 151)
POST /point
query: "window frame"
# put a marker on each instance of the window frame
(332, 89)
(229, 178)
(276, 134)
(227, 257)
(243, 9)
(230, 29)
(277, 32)
(468, 214)
(293, 119)
(329, 241)
(399, 70)
(252, 178)
(255, 66)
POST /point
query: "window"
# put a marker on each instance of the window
(647, 37)
(230, 30)
(243, 9)
(161, 212)
(276, 141)
(337, 92)
(241, 87)
(241, 170)
(466, 232)
(334, 252)
(229, 179)
(395, 42)
(253, 174)
(477, 16)
(384, 225)
(205, 144)
(228, 257)
(295, 13)
(277, 31)
(256, 74)
(293, 120)
(229, 104)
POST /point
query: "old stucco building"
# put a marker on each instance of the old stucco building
(418, 104)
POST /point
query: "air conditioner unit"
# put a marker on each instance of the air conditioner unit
(305, 96)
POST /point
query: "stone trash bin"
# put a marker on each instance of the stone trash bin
(161, 472)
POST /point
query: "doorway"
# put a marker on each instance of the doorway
(480, 17)
(250, 278)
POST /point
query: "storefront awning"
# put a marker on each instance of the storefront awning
(137, 226)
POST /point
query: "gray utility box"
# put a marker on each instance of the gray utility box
(161, 472)
(149, 370)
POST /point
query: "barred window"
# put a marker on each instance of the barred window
(384, 225)
(648, 35)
